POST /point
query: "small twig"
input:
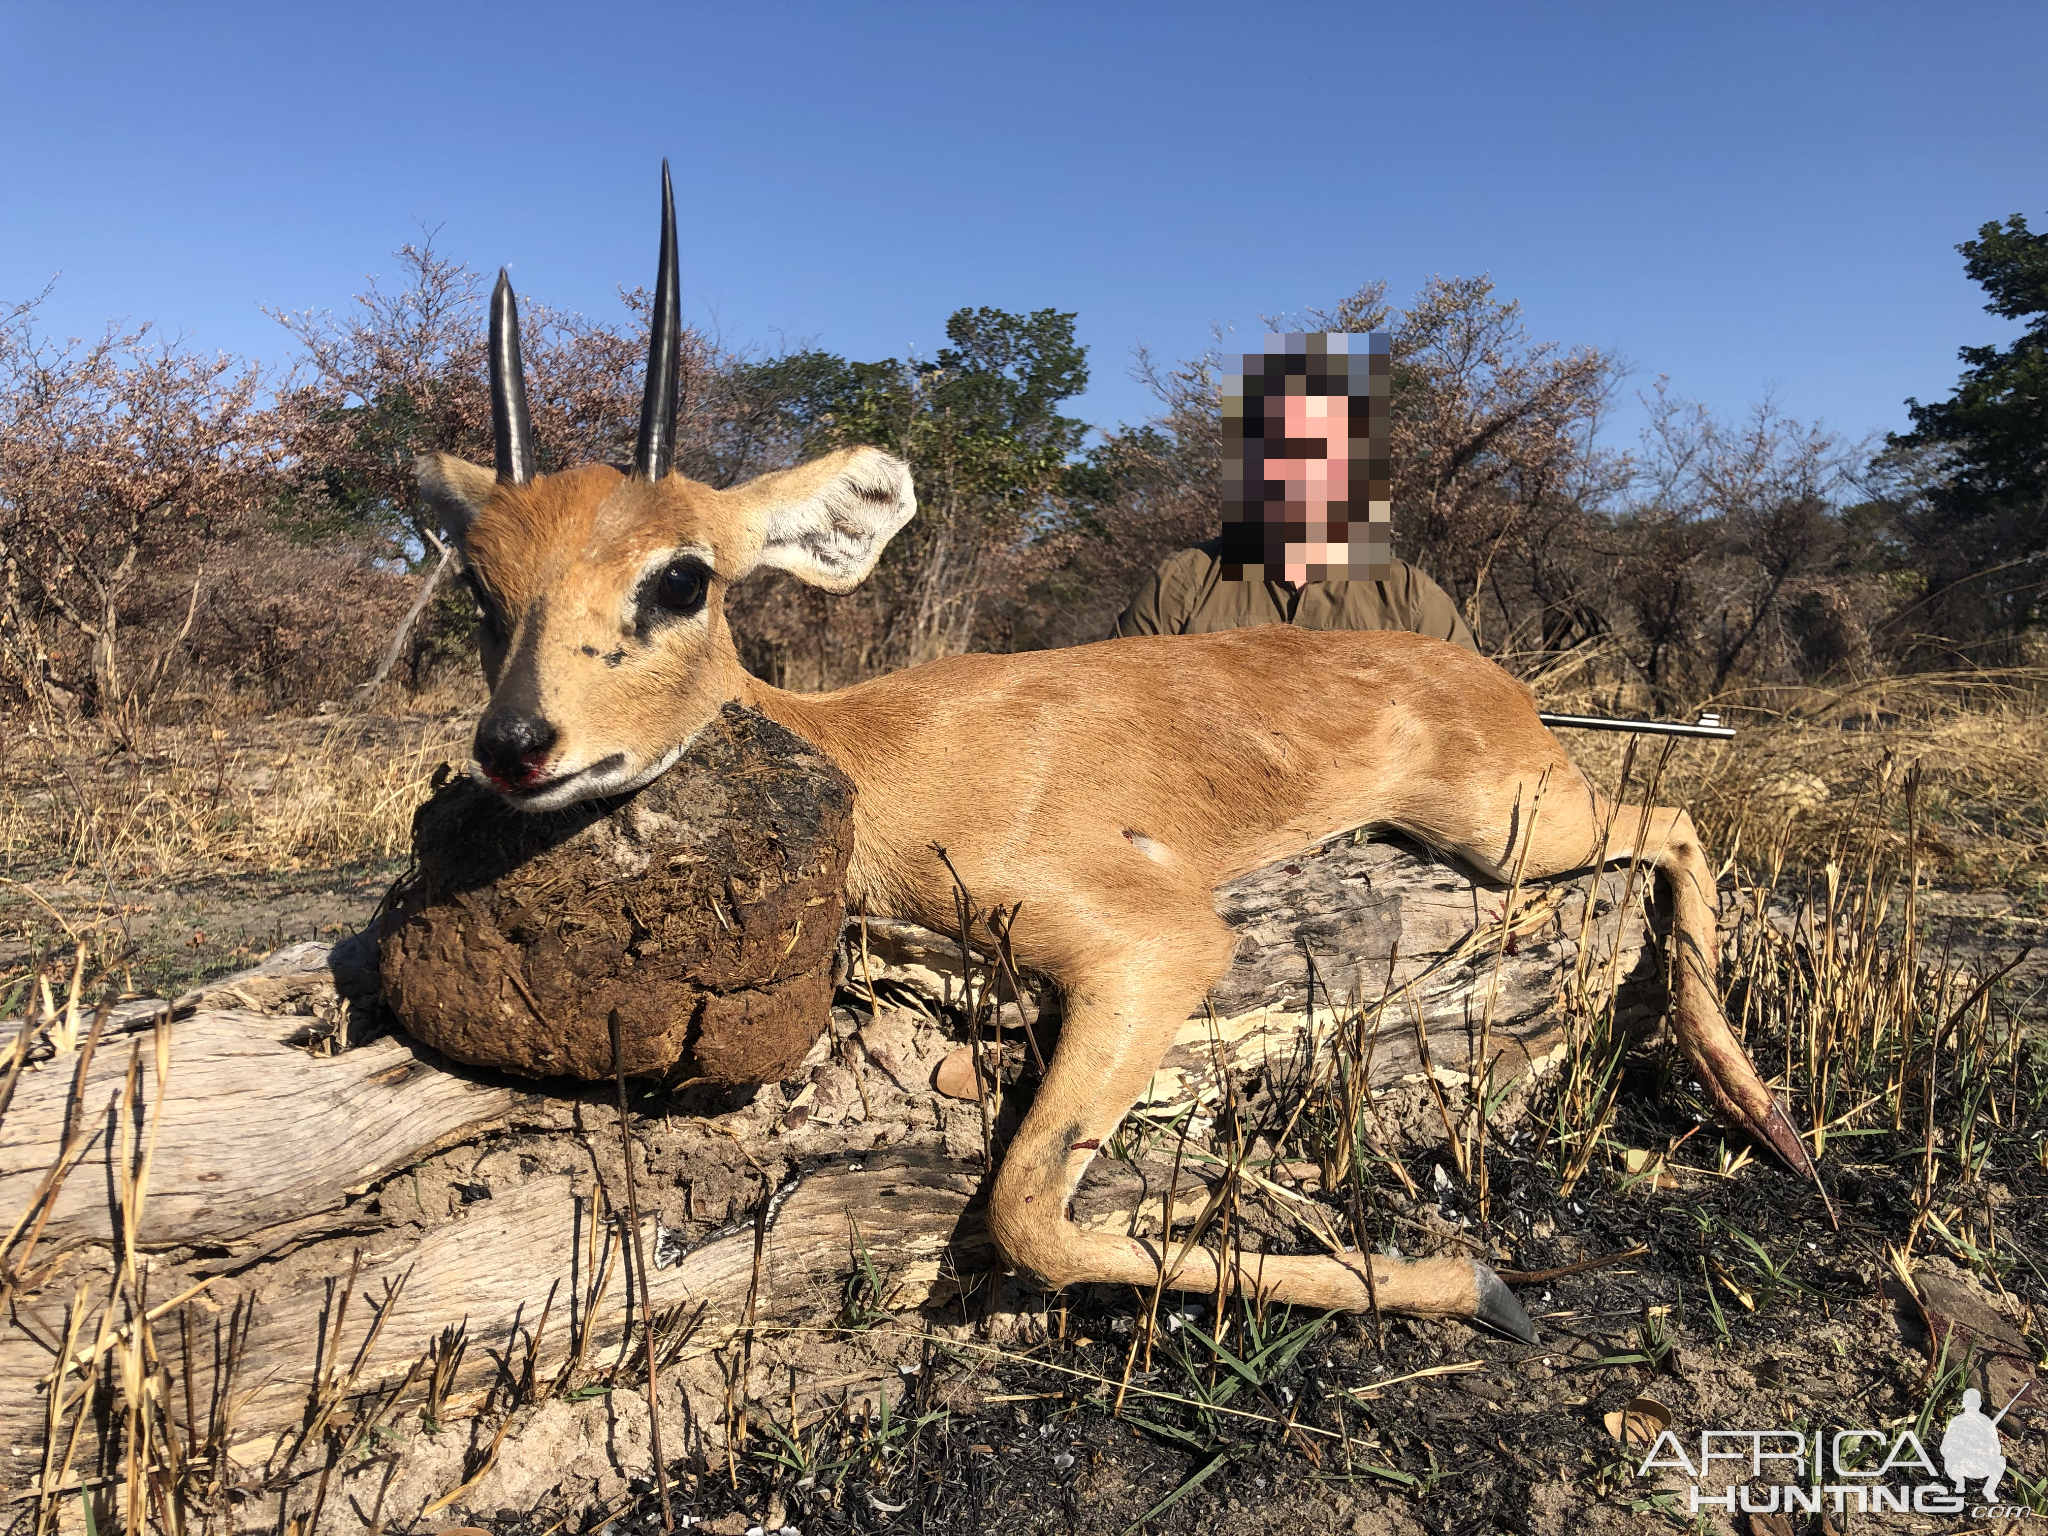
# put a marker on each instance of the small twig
(44, 1199)
(855, 1056)
(1436, 1088)
(1539, 1276)
(737, 1429)
(396, 646)
(120, 1334)
(467, 1484)
(988, 1094)
(1165, 1243)
(1462, 1368)
(531, 1002)
(28, 1029)
(1009, 963)
(1372, 1289)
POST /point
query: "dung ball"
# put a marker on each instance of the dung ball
(703, 910)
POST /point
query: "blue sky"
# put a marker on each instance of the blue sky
(1743, 197)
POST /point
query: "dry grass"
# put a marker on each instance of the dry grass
(1841, 817)
(187, 800)
(1815, 774)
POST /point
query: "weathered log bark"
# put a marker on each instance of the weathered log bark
(455, 1199)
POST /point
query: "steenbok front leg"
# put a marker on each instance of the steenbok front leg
(1121, 1019)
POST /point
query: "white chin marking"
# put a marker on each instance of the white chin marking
(620, 780)
(554, 796)
(583, 784)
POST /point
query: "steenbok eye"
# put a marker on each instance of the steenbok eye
(680, 588)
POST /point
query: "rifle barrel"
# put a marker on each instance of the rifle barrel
(1639, 727)
(2009, 1402)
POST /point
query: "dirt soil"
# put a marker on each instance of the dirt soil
(191, 931)
(1726, 1301)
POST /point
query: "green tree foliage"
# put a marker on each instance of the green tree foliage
(989, 450)
(980, 423)
(1979, 529)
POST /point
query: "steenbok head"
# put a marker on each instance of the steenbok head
(603, 593)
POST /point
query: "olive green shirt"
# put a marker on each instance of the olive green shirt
(1187, 595)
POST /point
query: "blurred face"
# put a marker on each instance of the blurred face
(1310, 462)
(1305, 492)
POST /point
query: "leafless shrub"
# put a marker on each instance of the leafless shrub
(122, 463)
(288, 625)
(1730, 551)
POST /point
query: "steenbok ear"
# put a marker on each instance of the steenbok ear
(826, 522)
(455, 488)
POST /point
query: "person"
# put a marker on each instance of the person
(1970, 1447)
(1306, 508)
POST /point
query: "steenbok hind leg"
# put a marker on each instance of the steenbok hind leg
(1568, 829)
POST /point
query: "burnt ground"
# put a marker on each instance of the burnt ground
(1749, 1310)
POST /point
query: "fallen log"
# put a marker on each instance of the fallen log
(380, 1237)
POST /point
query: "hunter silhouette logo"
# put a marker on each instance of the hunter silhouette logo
(1970, 1447)
(1785, 1471)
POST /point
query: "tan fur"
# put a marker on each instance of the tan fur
(1106, 790)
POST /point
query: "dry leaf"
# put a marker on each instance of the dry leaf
(1640, 1421)
(956, 1076)
(1748, 1301)
(1650, 1165)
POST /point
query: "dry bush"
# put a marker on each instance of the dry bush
(403, 372)
(287, 626)
(1869, 1021)
(120, 464)
(163, 538)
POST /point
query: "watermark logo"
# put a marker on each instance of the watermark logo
(1971, 1447)
(1870, 1471)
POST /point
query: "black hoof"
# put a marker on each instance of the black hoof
(1498, 1308)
